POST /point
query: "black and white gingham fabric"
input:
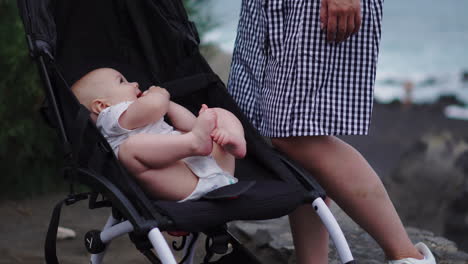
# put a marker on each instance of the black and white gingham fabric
(291, 82)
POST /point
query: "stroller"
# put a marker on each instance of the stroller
(152, 42)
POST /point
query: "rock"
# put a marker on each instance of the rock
(271, 241)
(272, 238)
(429, 179)
(446, 100)
(429, 81)
(430, 186)
(464, 76)
(456, 226)
(65, 233)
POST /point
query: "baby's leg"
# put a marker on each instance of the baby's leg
(174, 182)
(229, 133)
(143, 152)
(225, 160)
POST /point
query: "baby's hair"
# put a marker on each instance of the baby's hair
(87, 88)
(80, 92)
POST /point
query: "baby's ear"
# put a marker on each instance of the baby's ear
(98, 105)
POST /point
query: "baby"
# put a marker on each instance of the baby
(180, 164)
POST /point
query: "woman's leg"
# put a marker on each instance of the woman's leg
(310, 236)
(354, 186)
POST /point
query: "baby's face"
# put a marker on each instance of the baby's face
(118, 88)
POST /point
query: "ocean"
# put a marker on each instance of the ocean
(424, 42)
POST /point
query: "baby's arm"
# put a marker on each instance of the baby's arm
(181, 118)
(149, 108)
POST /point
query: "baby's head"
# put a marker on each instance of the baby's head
(102, 88)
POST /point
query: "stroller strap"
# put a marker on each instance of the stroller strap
(50, 247)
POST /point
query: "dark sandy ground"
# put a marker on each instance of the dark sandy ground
(24, 225)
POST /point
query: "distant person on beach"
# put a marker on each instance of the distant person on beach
(408, 87)
(303, 72)
(180, 163)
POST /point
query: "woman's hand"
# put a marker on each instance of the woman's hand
(340, 18)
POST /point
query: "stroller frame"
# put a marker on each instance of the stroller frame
(141, 220)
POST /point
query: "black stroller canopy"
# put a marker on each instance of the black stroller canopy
(145, 40)
(154, 43)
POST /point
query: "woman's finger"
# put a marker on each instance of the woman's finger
(323, 14)
(350, 28)
(342, 25)
(357, 20)
(332, 24)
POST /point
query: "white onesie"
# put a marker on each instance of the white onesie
(210, 175)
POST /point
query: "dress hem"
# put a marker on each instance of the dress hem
(270, 135)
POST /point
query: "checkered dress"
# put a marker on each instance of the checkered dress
(291, 82)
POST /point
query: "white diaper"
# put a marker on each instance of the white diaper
(211, 176)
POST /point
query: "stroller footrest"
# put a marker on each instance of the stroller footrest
(230, 191)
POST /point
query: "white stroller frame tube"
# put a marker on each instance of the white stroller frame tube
(189, 251)
(116, 231)
(334, 230)
(97, 258)
(161, 247)
(112, 230)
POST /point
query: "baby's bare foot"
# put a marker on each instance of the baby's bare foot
(204, 125)
(231, 143)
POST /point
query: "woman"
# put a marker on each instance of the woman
(303, 71)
